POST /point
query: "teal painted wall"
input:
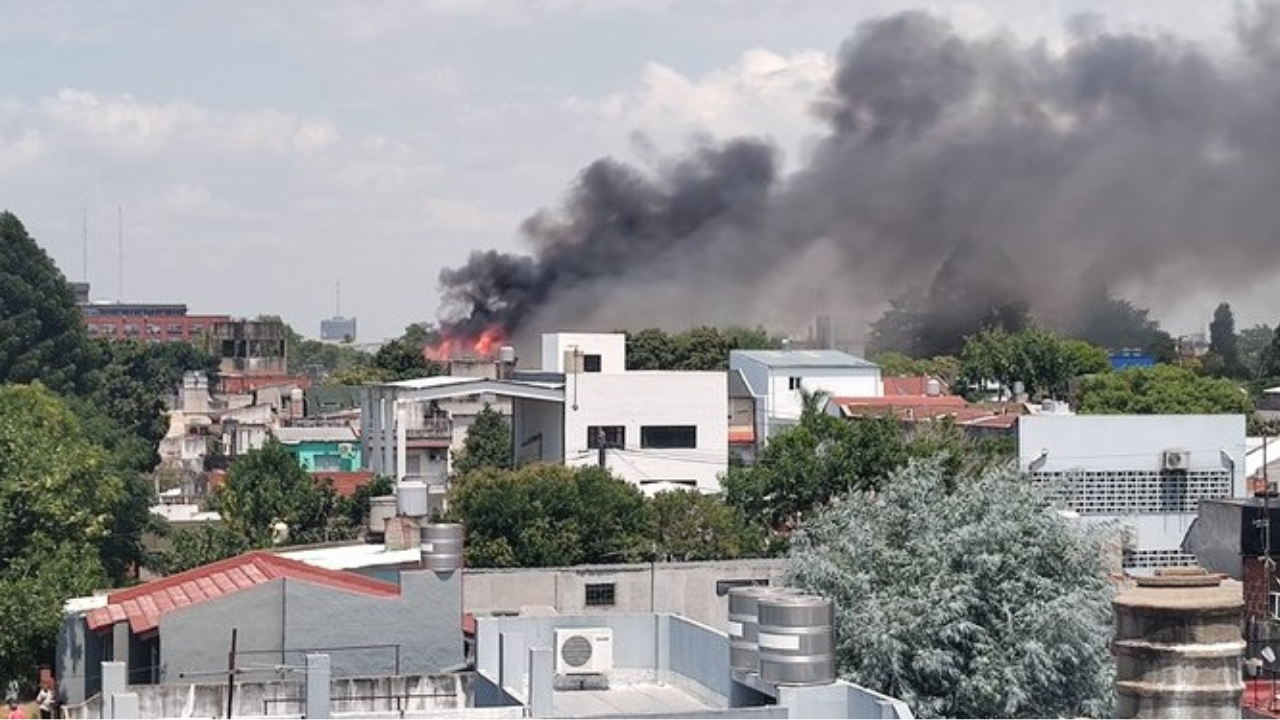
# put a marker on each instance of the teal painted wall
(314, 456)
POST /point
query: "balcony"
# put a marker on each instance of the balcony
(431, 429)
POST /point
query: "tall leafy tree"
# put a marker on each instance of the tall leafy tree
(42, 335)
(689, 525)
(977, 601)
(546, 515)
(488, 444)
(1223, 342)
(59, 498)
(699, 348)
(267, 486)
(1038, 358)
(1163, 389)
(1253, 344)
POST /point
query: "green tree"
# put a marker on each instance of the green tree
(1163, 389)
(488, 444)
(689, 525)
(699, 348)
(402, 359)
(42, 336)
(59, 496)
(802, 467)
(193, 547)
(1038, 358)
(548, 515)
(978, 601)
(1223, 341)
(1253, 344)
(267, 486)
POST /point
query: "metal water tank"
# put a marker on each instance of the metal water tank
(744, 653)
(381, 509)
(1178, 646)
(933, 387)
(411, 496)
(796, 636)
(442, 545)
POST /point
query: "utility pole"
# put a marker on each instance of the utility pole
(231, 673)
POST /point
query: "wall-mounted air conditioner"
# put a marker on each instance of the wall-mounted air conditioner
(1175, 460)
(584, 651)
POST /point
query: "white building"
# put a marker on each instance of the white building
(776, 378)
(659, 429)
(1148, 472)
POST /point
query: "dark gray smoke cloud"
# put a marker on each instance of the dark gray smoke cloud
(1141, 161)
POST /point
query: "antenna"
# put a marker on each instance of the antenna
(120, 253)
(338, 297)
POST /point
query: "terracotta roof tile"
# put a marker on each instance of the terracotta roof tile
(143, 605)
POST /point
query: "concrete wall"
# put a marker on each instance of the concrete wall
(1053, 446)
(611, 347)
(638, 399)
(537, 429)
(259, 694)
(687, 589)
(285, 617)
(79, 659)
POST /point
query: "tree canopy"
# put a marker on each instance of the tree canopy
(978, 601)
(488, 444)
(59, 498)
(1038, 358)
(689, 525)
(1162, 389)
(550, 515)
(42, 335)
(1223, 342)
(700, 348)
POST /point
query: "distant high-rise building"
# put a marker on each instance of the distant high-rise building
(338, 329)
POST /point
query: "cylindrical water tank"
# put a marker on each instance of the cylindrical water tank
(1178, 646)
(796, 636)
(411, 495)
(442, 546)
(933, 387)
(507, 355)
(744, 653)
(381, 509)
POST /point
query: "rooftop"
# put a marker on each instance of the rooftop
(322, 433)
(143, 605)
(352, 556)
(804, 358)
(628, 701)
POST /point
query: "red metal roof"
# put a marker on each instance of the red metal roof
(910, 385)
(144, 604)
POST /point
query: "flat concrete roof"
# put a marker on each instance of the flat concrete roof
(804, 358)
(626, 701)
(353, 557)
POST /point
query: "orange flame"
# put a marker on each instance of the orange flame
(482, 346)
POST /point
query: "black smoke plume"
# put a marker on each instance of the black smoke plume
(1136, 161)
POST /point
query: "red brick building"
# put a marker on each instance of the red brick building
(147, 322)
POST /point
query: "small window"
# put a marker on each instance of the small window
(793, 383)
(591, 363)
(724, 586)
(669, 436)
(1275, 605)
(615, 436)
(600, 594)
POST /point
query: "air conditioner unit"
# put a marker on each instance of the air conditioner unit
(1175, 460)
(347, 450)
(584, 651)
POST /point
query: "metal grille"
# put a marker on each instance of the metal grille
(1151, 559)
(1136, 492)
(576, 651)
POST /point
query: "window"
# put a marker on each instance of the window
(599, 594)
(328, 462)
(669, 436)
(591, 363)
(1275, 605)
(724, 586)
(615, 436)
(793, 383)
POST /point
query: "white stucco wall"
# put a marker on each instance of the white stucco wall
(637, 399)
(611, 347)
(778, 405)
(1053, 444)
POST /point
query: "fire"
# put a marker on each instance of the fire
(484, 345)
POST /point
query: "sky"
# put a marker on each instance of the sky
(248, 158)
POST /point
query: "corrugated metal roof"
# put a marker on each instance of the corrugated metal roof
(804, 358)
(143, 605)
